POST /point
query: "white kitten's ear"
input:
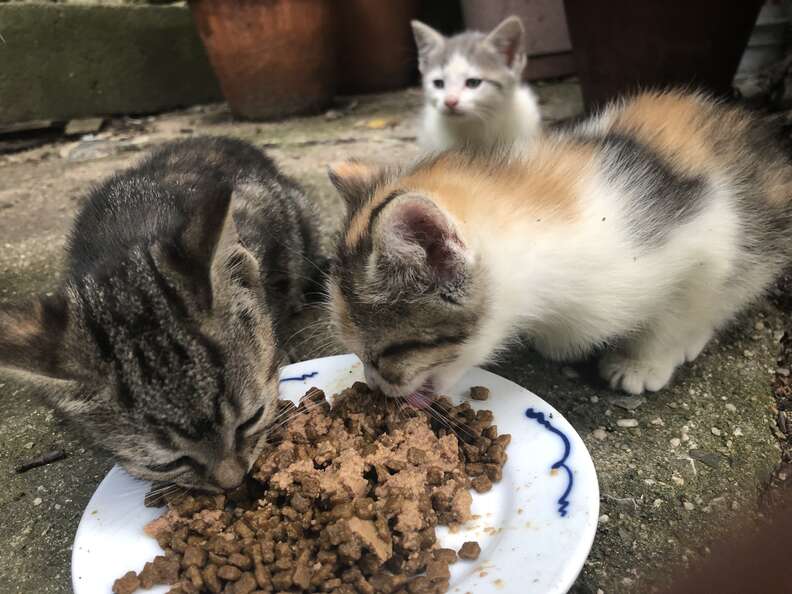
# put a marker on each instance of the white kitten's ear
(419, 246)
(507, 38)
(426, 38)
(354, 181)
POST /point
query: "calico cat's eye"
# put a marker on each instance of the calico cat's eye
(438, 83)
(172, 465)
(473, 83)
(251, 422)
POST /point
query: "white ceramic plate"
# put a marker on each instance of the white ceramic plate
(535, 527)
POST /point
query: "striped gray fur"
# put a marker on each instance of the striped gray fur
(162, 341)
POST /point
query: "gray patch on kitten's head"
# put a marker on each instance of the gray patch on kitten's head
(500, 50)
(406, 297)
(472, 73)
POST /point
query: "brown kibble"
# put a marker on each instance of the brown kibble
(494, 472)
(437, 570)
(416, 456)
(262, 575)
(481, 484)
(420, 585)
(229, 573)
(211, 580)
(448, 556)
(282, 580)
(479, 393)
(343, 500)
(470, 551)
(194, 575)
(193, 555)
(126, 584)
(474, 469)
(245, 584)
(240, 561)
(497, 454)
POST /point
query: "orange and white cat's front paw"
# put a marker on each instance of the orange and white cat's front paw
(635, 376)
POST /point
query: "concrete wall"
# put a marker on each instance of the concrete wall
(60, 61)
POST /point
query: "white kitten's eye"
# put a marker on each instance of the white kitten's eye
(438, 83)
(472, 83)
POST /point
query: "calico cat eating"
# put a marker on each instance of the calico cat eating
(160, 342)
(644, 229)
(472, 88)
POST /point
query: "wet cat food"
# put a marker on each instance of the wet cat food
(479, 393)
(343, 500)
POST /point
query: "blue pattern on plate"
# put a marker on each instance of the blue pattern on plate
(301, 378)
(563, 501)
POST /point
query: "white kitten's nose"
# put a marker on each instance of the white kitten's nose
(451, 102)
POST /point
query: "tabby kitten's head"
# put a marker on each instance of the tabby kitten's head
(165, 358)
(470, 76)
(406, 293)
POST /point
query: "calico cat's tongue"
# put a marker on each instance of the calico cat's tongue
(422, 397)
(419, 400)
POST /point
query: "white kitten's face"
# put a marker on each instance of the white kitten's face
(460, 89)
(472, 75)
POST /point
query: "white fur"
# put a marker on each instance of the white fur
(500, 110)
(574, 290)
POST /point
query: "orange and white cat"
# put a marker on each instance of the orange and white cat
(644, 230)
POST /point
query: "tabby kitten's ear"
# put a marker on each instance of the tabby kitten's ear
(426, 40)
(33, 337)
(507, 38)
(208, 230)
(419, 246)
(354, 181)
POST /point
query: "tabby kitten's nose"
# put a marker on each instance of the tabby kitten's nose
(229, 474)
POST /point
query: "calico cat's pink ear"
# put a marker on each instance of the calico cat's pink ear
(417, 235)
(354, 180)
(32, 337)
(507, 38)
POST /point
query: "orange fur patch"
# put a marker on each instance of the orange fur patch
(680, 128)
(544, 186)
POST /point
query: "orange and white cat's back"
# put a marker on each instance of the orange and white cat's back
(644, 229)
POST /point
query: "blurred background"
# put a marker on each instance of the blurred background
(67, 59)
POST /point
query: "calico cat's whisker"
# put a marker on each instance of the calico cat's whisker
(312, 327)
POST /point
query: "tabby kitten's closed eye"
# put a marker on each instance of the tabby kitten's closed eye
(644, 229)
(160, 342)
(472, 88)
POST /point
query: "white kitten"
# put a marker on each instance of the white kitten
(472, 88)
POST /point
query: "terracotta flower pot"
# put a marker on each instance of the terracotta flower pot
(376, 51)
(272, 58)
(624, 45)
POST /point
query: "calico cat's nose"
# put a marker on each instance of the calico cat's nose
(451, 102)
(229, 474)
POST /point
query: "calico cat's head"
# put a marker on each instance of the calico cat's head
(471, 75)
(406, 293)
(165, 357)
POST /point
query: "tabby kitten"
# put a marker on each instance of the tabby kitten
(160, 342)
(644, 229)
(472, 88)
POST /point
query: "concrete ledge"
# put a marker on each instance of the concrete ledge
(64, 61)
